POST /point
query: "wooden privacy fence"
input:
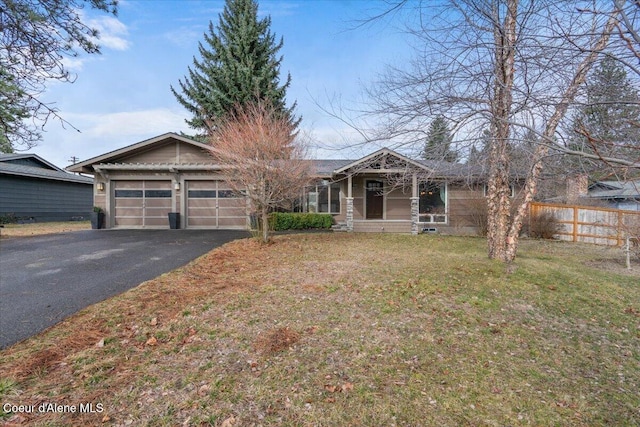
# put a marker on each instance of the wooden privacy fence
(589, 224)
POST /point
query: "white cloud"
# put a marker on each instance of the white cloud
(278, 9)
(132, 123)
(101, 133)
(112, 32)
(184, 37)
(74, 64)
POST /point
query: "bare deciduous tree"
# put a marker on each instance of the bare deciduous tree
(259, 151)
(512, 67)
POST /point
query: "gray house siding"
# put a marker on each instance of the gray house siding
(31, 188)
(44, 200)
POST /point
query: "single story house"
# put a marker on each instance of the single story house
(32, 189)
(617, 194)
(138, 185)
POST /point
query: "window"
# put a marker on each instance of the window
(129, 193)
(227, 194)
(324, 198)
(157, 194)
(433, 202)
(202, 194)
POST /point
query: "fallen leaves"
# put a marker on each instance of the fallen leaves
(229, 422)
(344, 388)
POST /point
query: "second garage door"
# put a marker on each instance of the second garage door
(211, 204)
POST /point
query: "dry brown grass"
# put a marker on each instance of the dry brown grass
(37, 229)
(345, 329)
(277, 340)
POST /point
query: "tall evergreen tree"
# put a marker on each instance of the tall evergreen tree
(439, 140)
(609, 122)
(239, 65)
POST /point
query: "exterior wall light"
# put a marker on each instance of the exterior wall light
(176, 186)
(101, 186)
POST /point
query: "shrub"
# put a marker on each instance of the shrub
(299, 221)
(544, 225)
(478, 214)
(9, 218)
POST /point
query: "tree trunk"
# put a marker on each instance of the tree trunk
(542, 148)
(265, 225)
(498, 188)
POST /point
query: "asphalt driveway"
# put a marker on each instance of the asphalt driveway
(44, 279)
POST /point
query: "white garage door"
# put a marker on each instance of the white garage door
(211, 204)
(142, 204)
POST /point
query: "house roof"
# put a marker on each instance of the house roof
(87, 166)
(615, 190)
(383, 160)
(37, 167)
(326, 168)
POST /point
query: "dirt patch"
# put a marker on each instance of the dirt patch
(277, 340)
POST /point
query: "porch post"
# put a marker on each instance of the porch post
(415, 205)
(349, 200)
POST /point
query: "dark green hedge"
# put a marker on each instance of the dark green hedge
(300, 221)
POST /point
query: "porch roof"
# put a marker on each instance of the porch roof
(394, 162)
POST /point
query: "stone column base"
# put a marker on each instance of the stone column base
(349, 214)
(415, 214)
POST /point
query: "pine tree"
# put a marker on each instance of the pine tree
(239, 65)
(14, 110)
(36, 39)
(439, 140)
(610, 118)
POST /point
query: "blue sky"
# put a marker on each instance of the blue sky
(122, 96)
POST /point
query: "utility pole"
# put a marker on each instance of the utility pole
(74, 160)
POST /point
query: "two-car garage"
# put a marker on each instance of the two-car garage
(138, 186)
(147, 203)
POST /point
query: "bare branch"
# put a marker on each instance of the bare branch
(257, 147)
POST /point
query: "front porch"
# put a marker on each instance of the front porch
(383, 192)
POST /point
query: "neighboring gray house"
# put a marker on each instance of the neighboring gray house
(617, 194)
(33, 189)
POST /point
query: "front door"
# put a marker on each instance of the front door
(375, 199)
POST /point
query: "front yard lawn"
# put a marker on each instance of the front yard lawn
(349, 329)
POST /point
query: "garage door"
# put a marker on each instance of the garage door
(142, 203)
(211, 204)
